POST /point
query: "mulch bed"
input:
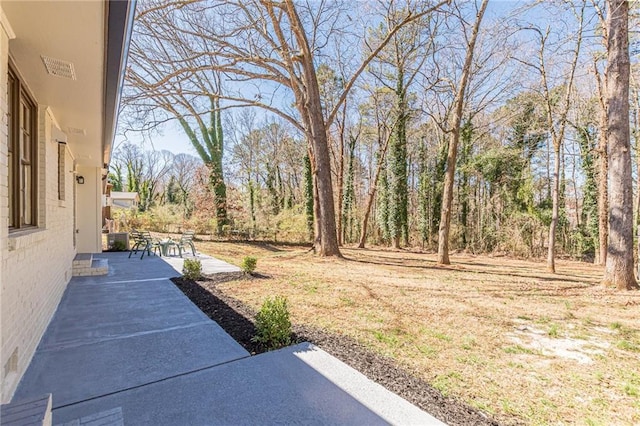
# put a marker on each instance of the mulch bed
(236, 318)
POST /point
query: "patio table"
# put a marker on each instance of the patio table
(165, 245)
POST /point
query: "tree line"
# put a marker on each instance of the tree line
(450, 125)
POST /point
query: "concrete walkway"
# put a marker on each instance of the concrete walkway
(130, 348)
(210, 265)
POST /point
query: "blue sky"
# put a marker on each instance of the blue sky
(171, 136)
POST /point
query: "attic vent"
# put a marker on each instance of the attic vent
(59, 68)
(77, 131)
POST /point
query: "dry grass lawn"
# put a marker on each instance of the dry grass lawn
(501, 334)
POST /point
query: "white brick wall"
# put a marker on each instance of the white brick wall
(35, 266)
(4, 197)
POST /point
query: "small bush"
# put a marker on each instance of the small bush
(248, 264)
(273, 327)
(192, 269)
(118, 246)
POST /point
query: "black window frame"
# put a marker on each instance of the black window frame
(18, 97)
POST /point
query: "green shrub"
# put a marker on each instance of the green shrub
(118, 246)
(273, 327)
(192, 269)
(248, 264)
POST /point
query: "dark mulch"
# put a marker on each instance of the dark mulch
(236, 318)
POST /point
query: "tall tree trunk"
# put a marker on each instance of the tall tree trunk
(309, 197)
(436, 191)
(341, 167)
(619, 271)
(312, 108)
(317, 232)
(558, 139)
(348, 195)
(340, 186)
(447, 199)
(463, 190)
(398, 208)
(551, 264)
(252, 206)
(367, 210)
(372, 192)
(423, 194)
(589, 215)
(603, 172)
(635, 134)
(327, 217)
(382, 204)
(211, 151)
(365, 219)
(216, 178)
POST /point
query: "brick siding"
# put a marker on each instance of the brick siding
(35, 266)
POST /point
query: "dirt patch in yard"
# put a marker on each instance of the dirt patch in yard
(236, 318)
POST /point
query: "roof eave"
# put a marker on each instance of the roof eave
(120, 16)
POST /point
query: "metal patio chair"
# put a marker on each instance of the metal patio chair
(186, 241)
(145, 242)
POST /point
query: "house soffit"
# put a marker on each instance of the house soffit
(71, 38)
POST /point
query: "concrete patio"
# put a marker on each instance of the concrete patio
(130, 348)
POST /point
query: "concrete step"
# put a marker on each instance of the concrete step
(99, 267)
(82, 260)
(94, 267)
(36, 411)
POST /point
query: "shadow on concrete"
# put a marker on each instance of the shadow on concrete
(296, 385)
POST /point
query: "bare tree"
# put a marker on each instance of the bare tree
(183, 172)
(556, 116)
(157, 166)
(272, 44)
(619, 271)
(245, 156)
(447, 198)
(147, 172)
(152, 97)
(129, 159)
(396, 68)
(603, 172)
(603, 161)
(557, 134)
(379, 112)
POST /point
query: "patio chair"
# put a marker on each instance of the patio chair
(145, 242)
(154, 244)
(138, 242)
(186, 240)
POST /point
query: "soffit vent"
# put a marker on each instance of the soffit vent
(59, 68)
(76, 131)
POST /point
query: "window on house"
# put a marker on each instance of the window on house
(21, 129)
